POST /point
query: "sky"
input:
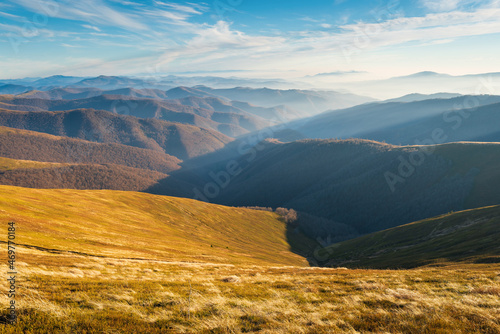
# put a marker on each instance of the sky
(292, 39)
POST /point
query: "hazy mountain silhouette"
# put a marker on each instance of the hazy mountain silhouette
(230, 121)
(13, 89)
(400, 123)
(307, 101)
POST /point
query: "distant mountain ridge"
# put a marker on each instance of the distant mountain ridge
(403, 123)
(421, 97)
(146, 81)
(307, 101)
(426, 82)
(223, 117)
(30, 145)
(179, 140)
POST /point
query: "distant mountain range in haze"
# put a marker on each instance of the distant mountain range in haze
(148, 81)
(462, 118)
(426, 82)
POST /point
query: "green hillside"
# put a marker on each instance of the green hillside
(135, 225)
(467, 237)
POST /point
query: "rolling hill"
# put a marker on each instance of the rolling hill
(180, 96)
(13, 89)
(399, 122)
(308, 102)
(30, 145)
(179, 140)
(47, 175)
(421, 97)
(366, 185)
(476, 124)
(56, 80)
(469, 236)
(136, 225)
(426, 82)
(113, 82)
(212, 114)
(62, 93)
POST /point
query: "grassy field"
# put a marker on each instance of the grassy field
(7, 164)
(138, 225)
(125, 262)
(470, 236)
(67, 293)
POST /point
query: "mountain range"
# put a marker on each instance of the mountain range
(179, 140)
(460, 118)
(426, 82)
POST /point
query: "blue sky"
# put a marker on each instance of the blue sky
(253, 38)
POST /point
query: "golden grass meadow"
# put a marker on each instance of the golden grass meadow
(208, 283)
(80, 294)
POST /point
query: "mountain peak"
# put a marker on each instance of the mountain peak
(424, 74)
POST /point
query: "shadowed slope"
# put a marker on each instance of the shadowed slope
(467, 236)
(367, 185)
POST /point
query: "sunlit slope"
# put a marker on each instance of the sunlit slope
(50, 175)
(470, 236)
(175, 139)
(7, 164)
(137, 225)
(38, 146)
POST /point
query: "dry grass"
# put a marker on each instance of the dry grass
(137, 225)
(11, 164)
(167, 265)
(61, 293)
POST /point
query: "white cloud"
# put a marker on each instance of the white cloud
(309, 19)
(221, 35)
(91, 11)
(437, 26)
(24, 33)
(437, 42)
(88, 26)
(441, 5)
(163, 16)
(70, 45)
(325, 25)
(451, 5)
(10, 16)
(181, 8)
